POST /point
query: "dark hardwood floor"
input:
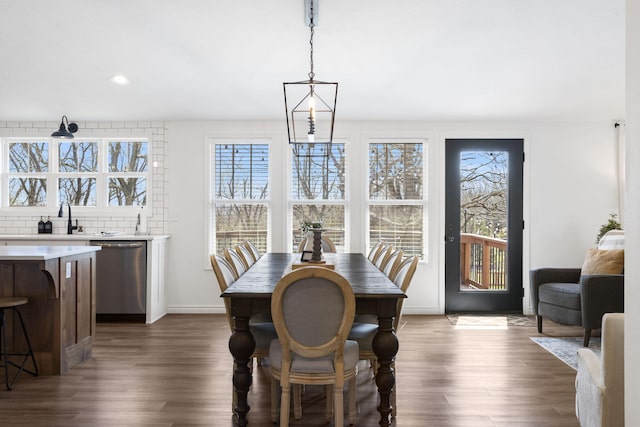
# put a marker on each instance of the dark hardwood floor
(177, 372)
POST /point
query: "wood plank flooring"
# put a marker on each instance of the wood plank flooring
(177, 372)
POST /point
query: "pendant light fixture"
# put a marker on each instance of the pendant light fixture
(65, 131)
(310, 105)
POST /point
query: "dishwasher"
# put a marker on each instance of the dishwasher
(121, 281)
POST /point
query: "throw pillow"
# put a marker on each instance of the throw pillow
(599, 261)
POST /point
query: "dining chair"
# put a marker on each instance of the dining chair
(245, 255)
(236, 262)
(390, 267)
(375, 251)
(327, 245)
(382, 259)
(255, 252)
(393, 262)
(263, 332)
(363, 332)
(312, 345)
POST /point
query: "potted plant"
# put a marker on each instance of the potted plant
(612, 224)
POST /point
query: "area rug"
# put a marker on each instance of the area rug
(479, 321)
(566, 348)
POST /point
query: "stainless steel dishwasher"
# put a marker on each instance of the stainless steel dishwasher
(121, 280)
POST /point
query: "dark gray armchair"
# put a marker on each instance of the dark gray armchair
(565, 296)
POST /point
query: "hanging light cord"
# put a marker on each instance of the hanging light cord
(311, 27)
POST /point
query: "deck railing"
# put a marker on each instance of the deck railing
(483, 262)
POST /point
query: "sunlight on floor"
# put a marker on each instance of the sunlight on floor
(481, 322)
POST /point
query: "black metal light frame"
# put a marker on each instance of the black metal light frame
(310, 131)
(65, 131)
(311, 114)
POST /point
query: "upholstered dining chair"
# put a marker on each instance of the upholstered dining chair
(363, 332)
(312, 345)
(327, 245)
(255, 252)
(390, 267)
(393, 262)
(236, 262)
(245, 255)
(382, 259)
(375, 251)
(263, 332)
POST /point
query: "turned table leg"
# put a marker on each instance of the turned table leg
(241, 344)
(385, 346)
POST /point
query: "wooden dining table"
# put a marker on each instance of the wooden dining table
(251, 294)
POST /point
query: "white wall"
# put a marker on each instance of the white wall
(570, 189)
(632, 222)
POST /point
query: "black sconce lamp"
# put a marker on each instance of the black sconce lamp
(67, 130)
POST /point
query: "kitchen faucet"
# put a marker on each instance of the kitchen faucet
(70, 226)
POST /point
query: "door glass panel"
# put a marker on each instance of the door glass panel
(483, 220)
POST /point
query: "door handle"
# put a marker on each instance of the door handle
(449, 239)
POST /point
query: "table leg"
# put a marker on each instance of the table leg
(385, 346)
(241, 344)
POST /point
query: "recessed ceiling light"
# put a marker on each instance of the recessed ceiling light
(119, 79)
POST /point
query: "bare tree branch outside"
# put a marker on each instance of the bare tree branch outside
(396, 191)
(318, 192)
(76, 175)
(240, 183)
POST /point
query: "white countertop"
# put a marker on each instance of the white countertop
(41, 253)
(82, 237)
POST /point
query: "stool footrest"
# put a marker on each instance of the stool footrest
(5, 354)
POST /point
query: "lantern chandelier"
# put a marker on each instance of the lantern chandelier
(310, 105)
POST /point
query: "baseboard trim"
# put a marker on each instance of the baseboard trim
(195, 309)
(211, 309)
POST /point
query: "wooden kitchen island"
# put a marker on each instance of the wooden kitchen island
(60, 318)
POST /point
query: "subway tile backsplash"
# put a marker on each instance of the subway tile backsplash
(155, 131)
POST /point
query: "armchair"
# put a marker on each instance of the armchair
(576, 296)
(600, 381)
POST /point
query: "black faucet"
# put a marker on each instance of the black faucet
(70, 226)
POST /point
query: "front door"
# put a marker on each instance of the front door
(483, 229)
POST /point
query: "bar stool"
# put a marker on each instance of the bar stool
(11, 303)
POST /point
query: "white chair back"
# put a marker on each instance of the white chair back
(236, 262)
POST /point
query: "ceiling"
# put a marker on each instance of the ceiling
(394, 60)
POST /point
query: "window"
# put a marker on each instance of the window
(78, 167)
(239, 194)
(96, 173)
(28, 167)
(318, 194)
(128, 165)
(396, 199)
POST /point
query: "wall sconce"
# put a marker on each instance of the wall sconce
(310, 106)
(65, 131)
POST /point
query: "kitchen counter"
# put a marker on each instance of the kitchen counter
(82, 237)
(42, 253)
(156, 300)
(60, 284)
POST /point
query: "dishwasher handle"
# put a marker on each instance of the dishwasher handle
(117, 244)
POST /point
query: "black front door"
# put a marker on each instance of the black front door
(484, 222)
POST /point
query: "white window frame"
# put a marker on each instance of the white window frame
(407, 202)
(53, 174)
(344, 202)
(212, 202)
